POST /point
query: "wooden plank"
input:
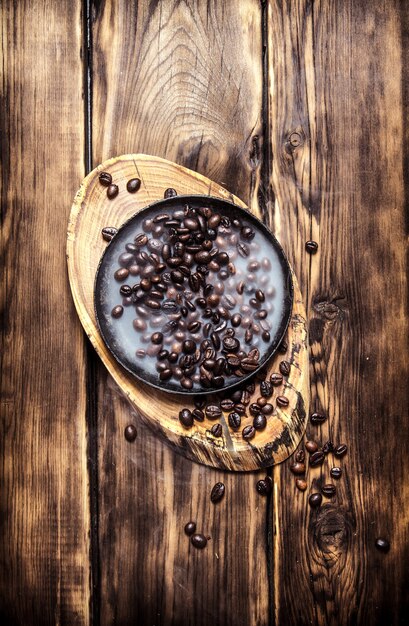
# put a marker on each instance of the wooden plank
(337, 123)
(182, 81)
(44, 548)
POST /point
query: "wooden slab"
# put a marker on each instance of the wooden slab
(92, 211)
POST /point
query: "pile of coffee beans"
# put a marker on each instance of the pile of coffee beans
(203, 294)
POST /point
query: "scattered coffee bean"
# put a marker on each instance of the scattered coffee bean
(213, 412)
(190, 528)
(282, 401)
(198, 414)
(217, 430)
(234, 420)
(248, 432)
(267, 409)
(260, 422)
(382, 544)
(170, 193)
(130, 433)
(284, 368)
(297, 468)
(217, 492)
(311, 446)
(227, 405)
(301, 484)
(157, 338)
(317, 418)
(186, 418)
(329, 490)
(300, 456)
(198, 541)
(117, 311)
(311, 247)
(341, 450)
(133, 185)
(108, 232)
(336, 472)
(317, 458)
(265, 486)
(276, 379)
(105, 179)
(112, 191)
(328, 447)
(121, 274)
(315, 500)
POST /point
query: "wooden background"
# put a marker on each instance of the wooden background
(300, 107)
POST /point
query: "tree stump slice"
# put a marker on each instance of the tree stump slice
(92, 211)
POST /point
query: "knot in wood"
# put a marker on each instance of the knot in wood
(331, 532)
(329, 310)
(295, 138)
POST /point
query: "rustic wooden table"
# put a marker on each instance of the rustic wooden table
(301, 109)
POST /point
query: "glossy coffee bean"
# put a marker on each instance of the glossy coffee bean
(157, 338)
(267, 409)
(311, 446)
(213, 411)
(234, 420)
(166, 374)
(105, 179)
(109, 232)
(217, 492)
(297, 468)
(276, 379)
(248, 432)
(282, 401)
(227, 404)
(301, 484)
(266, 389)
(300, 456)
(265, 486)
(315, 500)
(198, 414)
(133, 185)
(198, 541)
(317, 458)
(130, 433)
(336, 472)
(217, 430)
(189, 346)
(112, 191)
(382, 545)
(117, 311)
(311, 247)
(328, 447)
(170, 193)
(284, 368)
(329, 490)
(121, 274)
(260, 422)
(317, 418)
(341, 450)
(186, 418)
(190, 528)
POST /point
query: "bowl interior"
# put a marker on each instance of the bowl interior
(124, 341)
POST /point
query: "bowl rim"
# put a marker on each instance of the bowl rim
(288, 295)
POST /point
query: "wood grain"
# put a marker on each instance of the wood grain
(44, 548)
(181, 80)
(92, 211)
(337, 130)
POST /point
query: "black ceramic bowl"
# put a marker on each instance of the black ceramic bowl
(273, 272)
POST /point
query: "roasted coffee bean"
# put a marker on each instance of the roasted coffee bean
(112, 191)
(311, 247)
(328, 447)
(311, 446)
(121, 274)
(186, 418)
(260, 295)
(170, 193)
(329, 490)
(163, 355)
(186, 383)
(265, 335)
(223, 258)
(382, 544)
(219, 366)
(297, 468)
(240, 288)
(255, 304)
(255, 409)
(213, 300)
(260, 422)
(243, 249)
(174, 261)
(261, 401)
(231, 344)
(300, 456)
(266, 389)
(200, 402)
(198, 414)
(220, 326)
(130, 433)
(213, 412)
(177, 277)
(240, 408)
(133, 185)
(267, 409)
(162, 217)
(194, 327)
(276, 379)
(140, 353)
(265, 486)
(227, 404)
(248, 432)
(315, 500)
(284, 368)
(236, 320)
(214, 221)
(282, 401)
(117, 311)
(198, 541)
(248, 336)
(336, 472)
(166, 374)
(253, 266)
(260, 315)
(283, 347)
(141, 240)
(140, 325)
(217, 492)
(105, 179)
(341, 450)
(126, 259)
(234, 420)
(217, 430)
(301, 484)
(108, 232)
(218, 382)
(169, 306)
(317, 418)
(248, 365)
(190, 528)
(152, 304)
(157, 338)
(236, 396)
(317, 458)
